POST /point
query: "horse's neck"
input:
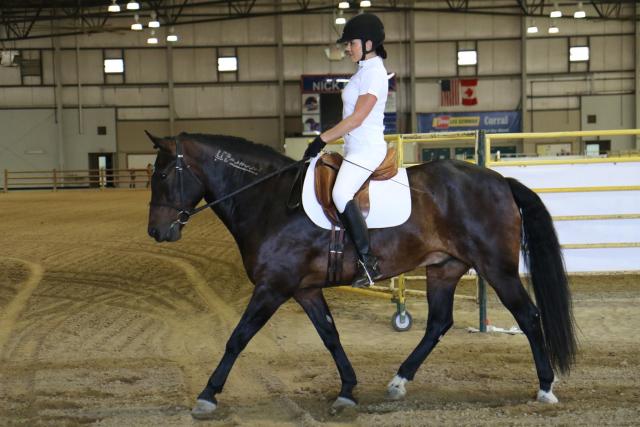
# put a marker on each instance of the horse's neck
(227, 172)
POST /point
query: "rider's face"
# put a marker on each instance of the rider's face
(354, 49)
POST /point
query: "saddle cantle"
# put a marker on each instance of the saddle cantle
(326, 171)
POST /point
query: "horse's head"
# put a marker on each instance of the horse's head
(175, 190)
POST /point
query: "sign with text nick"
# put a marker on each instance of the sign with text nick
(322, 102)
(491, 122)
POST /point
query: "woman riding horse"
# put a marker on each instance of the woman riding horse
(363, 100)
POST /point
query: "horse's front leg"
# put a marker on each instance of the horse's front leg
(264, 302)
(314, 304)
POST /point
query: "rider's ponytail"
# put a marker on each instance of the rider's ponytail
(381, 52)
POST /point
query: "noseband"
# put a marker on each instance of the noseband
(184, 213)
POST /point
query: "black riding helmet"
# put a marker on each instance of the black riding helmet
(365, 26)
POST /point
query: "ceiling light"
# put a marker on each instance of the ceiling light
(580, 13)
(152, 38)
(154, 23)
(172, 37)
(113, 7)
(532, 29)
(340, 20)
(365, 3)
(553, 29)
(133, 5)
(343, 5)
(136, 26)
(555, 12)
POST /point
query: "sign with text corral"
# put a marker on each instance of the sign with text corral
(491, 122)
(321, 103)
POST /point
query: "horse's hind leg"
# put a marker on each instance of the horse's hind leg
(314, 304)
(264, 302)
(441, 284)
(515, 298)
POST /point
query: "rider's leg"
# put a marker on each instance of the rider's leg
(355, 170)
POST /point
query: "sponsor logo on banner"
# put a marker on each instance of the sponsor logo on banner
(493, 121)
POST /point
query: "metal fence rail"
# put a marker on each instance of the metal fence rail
(55, 179)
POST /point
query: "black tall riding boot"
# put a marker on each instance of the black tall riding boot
(356, 226)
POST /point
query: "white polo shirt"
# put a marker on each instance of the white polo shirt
(371, 77)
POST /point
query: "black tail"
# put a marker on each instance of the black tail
(543, 258)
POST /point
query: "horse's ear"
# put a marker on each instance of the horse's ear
(164, 144)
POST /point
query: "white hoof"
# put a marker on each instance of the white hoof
(395, 389)
(343, 402)
(203, 410)
(547, 397)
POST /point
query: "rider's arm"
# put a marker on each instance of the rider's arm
(364, 105)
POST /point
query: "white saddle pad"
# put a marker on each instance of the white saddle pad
(390, 200)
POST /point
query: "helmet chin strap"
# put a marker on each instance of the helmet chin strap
(364, 49)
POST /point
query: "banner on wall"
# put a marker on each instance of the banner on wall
(321, 104)
(491, 122)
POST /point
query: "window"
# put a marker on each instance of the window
(467, 57)
(227, 63)
(114, 66)
(579, 53)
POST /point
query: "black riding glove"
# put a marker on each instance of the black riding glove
(314, 148)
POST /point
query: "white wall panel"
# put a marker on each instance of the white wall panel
(309, 29)
(194, 65)
(143, 114)
(396, 61)
(10, 76)
(555, 103)
(292, 99)
(145, 65)
(547, 55)
(435, 59)
(128, 96)
(257, 63)
(456, 26)
(300, 60)
(24, 97)
(209, 102)
(26, 131)
(608, 53)
(47, 67)
(262, 30)
(499, 57)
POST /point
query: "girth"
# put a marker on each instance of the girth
(326, 171)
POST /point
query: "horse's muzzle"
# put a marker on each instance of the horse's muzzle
(171, 234)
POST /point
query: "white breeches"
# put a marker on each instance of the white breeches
(359, 162)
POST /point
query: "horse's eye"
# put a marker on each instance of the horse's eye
(163, 176)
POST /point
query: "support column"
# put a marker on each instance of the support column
(524, 108)
(637, 79)
(170, 95)
(412, 68)
(280, 74)
(57, 76)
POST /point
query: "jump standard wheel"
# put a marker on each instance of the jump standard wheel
(401, 322)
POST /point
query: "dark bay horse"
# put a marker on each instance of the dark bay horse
(462, 216)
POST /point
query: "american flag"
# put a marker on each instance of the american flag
(449, 92)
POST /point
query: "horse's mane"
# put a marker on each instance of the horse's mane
(241, 147)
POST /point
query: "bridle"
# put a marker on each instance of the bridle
(184, 213)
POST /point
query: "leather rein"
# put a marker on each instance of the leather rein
(184, 213)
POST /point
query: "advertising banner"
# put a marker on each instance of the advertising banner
(491, 122)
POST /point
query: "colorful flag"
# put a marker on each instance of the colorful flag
(468, 89)
(449, 92)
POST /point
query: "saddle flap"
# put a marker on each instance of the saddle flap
(326, 172)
